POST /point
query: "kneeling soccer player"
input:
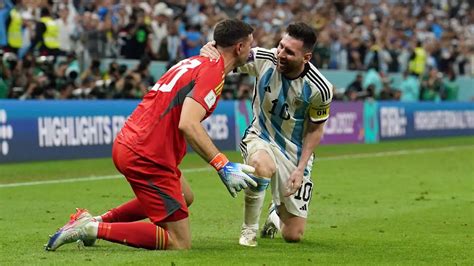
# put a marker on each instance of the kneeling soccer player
(152, 143)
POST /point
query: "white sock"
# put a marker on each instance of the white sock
(98, 218)
(273, 216)
(92, 229)
(253, 207)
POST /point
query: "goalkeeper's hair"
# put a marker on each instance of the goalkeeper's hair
(231, 31)
(303, 32)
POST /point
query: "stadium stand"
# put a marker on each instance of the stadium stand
(402, 50)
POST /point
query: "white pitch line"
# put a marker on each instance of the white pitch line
(205, 169)
(90, 178)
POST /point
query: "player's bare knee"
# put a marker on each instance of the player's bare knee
(292, 236)
(263, 169)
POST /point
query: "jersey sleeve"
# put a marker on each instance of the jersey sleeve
(259, 59)
(208, 85)
(320, 107)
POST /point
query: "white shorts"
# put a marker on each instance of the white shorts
(296, 204)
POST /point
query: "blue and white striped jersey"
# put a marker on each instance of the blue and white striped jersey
(281, 106)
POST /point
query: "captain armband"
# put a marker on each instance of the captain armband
(319, 114)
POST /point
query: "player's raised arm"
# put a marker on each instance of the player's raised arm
(210, 51)
(233, 175)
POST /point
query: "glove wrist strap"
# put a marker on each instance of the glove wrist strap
(219, 161)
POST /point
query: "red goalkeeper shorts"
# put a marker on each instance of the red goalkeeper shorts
(158, 190)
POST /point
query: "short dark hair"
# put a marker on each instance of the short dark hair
(230, 32)
(44, 12)
(303, 32)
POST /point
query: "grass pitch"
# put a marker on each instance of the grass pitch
(405, 202)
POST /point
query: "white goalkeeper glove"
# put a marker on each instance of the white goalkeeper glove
(233, 175)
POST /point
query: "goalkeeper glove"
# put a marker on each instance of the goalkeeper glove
(233, 175)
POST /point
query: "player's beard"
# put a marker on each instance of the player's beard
(285, 66)
(289, 68)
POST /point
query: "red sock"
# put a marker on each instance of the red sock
(137, 234)
(128, 212)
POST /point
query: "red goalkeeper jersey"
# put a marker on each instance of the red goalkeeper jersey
(152, 129)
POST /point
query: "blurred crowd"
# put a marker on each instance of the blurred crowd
(432, 86)
(53, 49)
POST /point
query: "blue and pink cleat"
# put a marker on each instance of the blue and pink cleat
(75, 230)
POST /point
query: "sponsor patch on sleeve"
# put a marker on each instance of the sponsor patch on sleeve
(210, 99)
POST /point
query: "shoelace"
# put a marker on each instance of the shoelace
(249, 233)
(77, 215)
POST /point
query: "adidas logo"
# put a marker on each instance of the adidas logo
(303, 208)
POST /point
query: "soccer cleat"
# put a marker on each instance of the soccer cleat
(269, 229)
(91, 241)
(75, 230)
(248, 236)
(87, 242)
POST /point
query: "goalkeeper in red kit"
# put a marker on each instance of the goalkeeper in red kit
(152, 144)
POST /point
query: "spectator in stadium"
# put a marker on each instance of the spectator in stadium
(134, 84)
(291, 93)
(355, 90)
(131, 88)
(322, 53)
(27, 33)
(418, 60)
(94, 72)
(394, 49)
(193, 40)
(136, 35)
(450, 87)
(431, 86)
(370, 91)
(175, 107)
(67, 28)
(338, 52)
(5, 7)
(372, 77)
(93, 37)
(192, 9)
(46, 35)
(462, 59)
(409, 88)
(162, 15)
(356, 53)
(173, 45)
(377, 56)
(14, 25)
(387, 93)
(346, 29)
(142, 70)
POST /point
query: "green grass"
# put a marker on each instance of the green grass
(374, 208)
